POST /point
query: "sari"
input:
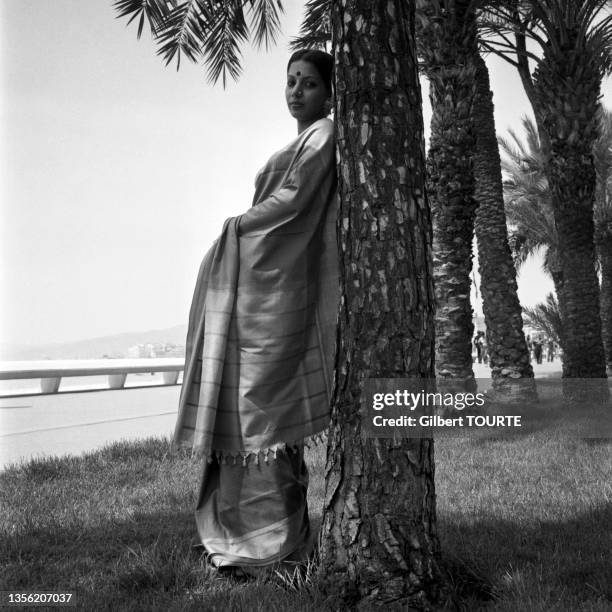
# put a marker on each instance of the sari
(260, 354)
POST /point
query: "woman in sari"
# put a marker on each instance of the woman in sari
(260, 344)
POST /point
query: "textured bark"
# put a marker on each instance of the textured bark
(378, 541)
(447, 44)
(567, 90)
(605, 259)
(557, 278)
(508, 353)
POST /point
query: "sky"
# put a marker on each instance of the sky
(116, 172)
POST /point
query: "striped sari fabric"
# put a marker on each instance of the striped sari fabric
(259, 358)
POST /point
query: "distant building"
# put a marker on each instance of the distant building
(139, 351)
(157, 349)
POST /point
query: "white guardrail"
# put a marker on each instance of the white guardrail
(51, 373)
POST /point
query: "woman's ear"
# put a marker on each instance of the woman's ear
(329, 105)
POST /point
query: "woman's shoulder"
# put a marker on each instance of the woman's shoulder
(322, 128)
(319, 135)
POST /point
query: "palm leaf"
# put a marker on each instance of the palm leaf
(152, 11)
(553, 25)
(183, 29)
(265, 21)
(211, 31)
(527, 198)
(222, 45)
(315, 31)
(545, 318)
(602, 156)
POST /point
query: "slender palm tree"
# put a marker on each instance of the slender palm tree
(508, 352)
(575, 40)
(447, 44)
(379, 540)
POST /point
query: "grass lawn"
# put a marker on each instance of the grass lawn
(525, 525)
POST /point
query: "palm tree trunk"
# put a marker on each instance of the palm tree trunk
(579, 305)
(508, 353)
(378, 540)
(447, 45)
(572, 181)
(605, 258)
(557, 278)
(567, 90)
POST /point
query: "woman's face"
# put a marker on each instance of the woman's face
(306, 93)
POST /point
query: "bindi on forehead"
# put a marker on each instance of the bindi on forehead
(299, 73)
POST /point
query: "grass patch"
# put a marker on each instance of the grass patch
(524, 525)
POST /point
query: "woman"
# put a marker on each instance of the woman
(260, 344)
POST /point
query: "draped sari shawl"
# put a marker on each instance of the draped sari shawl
(261, 334)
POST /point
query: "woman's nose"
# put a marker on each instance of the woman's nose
(297, 91)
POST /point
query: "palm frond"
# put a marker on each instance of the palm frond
(499, 21)
(534, 221)
(265, 21)
(315, 31)
(210, 31)
(522, 247)
(527, 199)
(552, 261)
(554, 25)
(602, 151)
(152, 11)
(183, 29)
(523, 164)
(602, 156)
(575, 25)
(533, 141)
(222, 45)
(545, 318)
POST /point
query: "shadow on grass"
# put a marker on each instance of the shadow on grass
(147, 563)
(547, 563)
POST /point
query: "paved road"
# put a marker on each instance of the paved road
(72, 423)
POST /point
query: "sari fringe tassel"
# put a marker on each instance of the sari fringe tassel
(255, 457)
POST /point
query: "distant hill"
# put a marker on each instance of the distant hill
(94, 348)
(110, 346)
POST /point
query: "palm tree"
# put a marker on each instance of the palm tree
(376, 545)
(530, 213)
(603, 227)
(576, 53)
(465, 187)
(508, 352)
(447, 45)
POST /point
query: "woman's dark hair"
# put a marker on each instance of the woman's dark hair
(323, 62)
